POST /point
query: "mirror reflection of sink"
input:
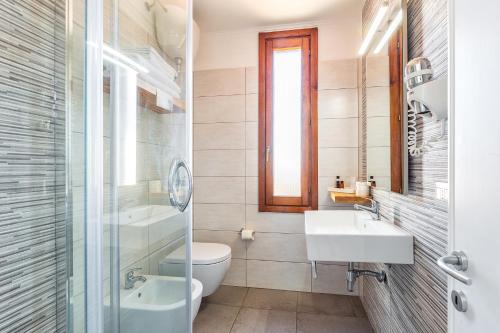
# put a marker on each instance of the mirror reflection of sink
(157, 305)
(353, 236)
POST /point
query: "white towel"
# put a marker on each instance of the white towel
(164, 100)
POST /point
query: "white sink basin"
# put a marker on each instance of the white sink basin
(158, 305)
(353, 236)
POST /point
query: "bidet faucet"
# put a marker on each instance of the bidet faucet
(374, 209)
(131, 278)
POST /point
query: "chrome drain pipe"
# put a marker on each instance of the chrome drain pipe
(353, 274)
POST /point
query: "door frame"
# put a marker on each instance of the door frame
(451, 152)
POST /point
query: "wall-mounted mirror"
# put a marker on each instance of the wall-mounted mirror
(383, 106)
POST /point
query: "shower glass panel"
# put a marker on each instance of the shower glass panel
(145, 138)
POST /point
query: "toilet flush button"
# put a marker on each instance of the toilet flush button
(459, 300)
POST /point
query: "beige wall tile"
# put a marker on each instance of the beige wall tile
(219, 216)
(214, 109)
(377, 71)
(219, 162)
(252, 80)
(338, 103)
(334, 162)
(378, 132)
(252, 161)
(378, 102)
(278, 247)
(133, 244)
(230, 238)
(383, 182)
(274, 222)
(166, 231)
(237, 274)
(252, 107)
(252, 190)
(379, 161)
(252, 135)
(219, 136)
(219, 190)
(338, 132)
(337, 74)
(331, 280)
(269, 274)
(324, 199)
(219, 82)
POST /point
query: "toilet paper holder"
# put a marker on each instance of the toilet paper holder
(247, 234)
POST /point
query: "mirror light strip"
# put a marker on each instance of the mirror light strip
(119, 59)
(390, 30)
(110, 52)
(373, 29)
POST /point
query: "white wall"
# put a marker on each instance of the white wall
(234, 49)
(225, 155)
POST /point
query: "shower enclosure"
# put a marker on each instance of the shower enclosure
(128, 156)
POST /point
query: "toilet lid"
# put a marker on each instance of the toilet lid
(201, 254)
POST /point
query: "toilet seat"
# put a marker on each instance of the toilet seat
(201, 254)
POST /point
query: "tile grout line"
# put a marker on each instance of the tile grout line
(239, 310)
(245, 173)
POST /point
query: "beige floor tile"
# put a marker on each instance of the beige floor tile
(319, 323)
(215, 318)
(269, 299)
(264, 321)
(359, 309)
(338, 305)
(228, 295)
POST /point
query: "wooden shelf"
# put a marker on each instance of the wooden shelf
(148, 100)
(348, 198)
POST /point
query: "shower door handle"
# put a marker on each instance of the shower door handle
(175, 182)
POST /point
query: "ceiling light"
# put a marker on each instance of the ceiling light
(373, 29)
(392, 27)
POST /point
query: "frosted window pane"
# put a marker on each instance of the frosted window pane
(287, 124)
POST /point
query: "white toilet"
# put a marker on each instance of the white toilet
(210, 264)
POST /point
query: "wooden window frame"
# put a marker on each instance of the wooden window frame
(309, 178)
(396, 109)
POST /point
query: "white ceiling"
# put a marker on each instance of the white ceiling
(222, 15)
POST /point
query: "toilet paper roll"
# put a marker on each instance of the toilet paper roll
(247, 234)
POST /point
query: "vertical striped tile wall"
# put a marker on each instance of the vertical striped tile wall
(414, 299)
(32, 145)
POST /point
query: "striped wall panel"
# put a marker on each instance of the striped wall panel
(414, 299)
(32, 188)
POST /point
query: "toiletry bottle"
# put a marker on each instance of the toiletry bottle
(373, 183)
(341, 184)
(337, 182)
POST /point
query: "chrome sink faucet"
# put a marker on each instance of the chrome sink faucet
(374, 209)
(131, 278)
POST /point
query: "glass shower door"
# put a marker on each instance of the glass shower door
(136, 147)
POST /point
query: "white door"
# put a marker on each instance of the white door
(475, 162)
